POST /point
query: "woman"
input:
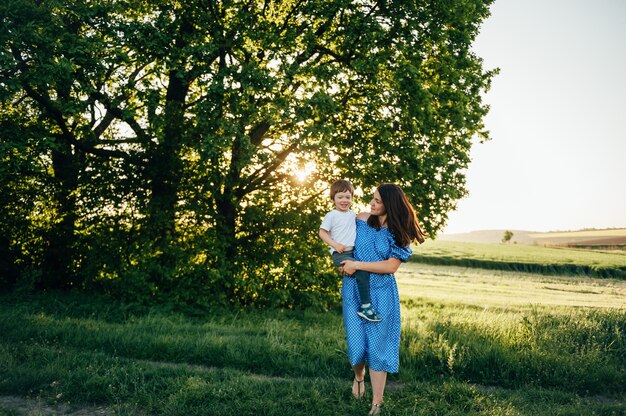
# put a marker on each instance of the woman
(382, 243)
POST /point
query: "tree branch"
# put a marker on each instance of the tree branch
(288, 17)
(256, 183)
(258, 132)
(67, 135)
(119, 113)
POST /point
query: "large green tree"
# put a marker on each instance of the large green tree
(173, 136)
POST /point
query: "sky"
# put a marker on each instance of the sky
(557, 155)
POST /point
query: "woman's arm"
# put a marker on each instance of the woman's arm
(388, 266)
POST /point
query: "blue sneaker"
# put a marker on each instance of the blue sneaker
(369, 314)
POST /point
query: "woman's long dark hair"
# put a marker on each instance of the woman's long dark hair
(401, 218)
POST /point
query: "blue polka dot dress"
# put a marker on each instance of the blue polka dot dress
(377, 343)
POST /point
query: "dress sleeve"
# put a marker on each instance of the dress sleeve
(400, 253)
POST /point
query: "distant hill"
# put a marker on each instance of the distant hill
(613, 238)
(489, 236)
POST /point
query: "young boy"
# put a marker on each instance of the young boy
(338, 230)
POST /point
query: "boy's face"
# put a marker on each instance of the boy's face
(343, 200)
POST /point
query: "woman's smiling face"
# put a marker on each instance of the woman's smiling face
(376, 205)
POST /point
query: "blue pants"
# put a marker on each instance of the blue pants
(362, 277)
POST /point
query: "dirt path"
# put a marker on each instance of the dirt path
(24, 406)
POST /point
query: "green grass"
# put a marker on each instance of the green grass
(522, 258)
(497, 288)
(473, 343)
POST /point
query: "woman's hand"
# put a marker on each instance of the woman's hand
(348, 267)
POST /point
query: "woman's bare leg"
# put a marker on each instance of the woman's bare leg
(358, 385)
(378, 380)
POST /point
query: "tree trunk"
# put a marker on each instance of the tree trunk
(8, 269)
(226, 229)
(59, 254)
(165, 170)
(165, 165)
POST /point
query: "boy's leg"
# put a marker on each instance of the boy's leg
(363, 283)
(339, 257)
(366, 311)
(362, 277)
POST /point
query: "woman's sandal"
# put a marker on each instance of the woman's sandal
(375, 410)
(359, 394)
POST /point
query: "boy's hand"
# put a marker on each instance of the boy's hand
(339, 248)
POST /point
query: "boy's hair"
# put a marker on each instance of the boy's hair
(340, 185)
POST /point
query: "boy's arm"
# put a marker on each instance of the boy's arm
(325, 236)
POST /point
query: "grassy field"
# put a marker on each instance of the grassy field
(473, 343)
(496, 289)
(523, 258)
(586, 234)
(613, 238)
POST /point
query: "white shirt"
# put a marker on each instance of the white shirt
(341, 225)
